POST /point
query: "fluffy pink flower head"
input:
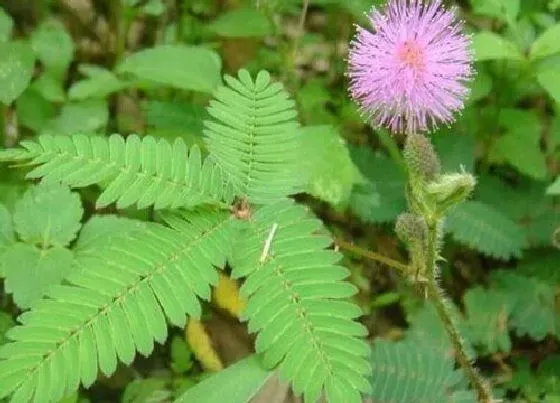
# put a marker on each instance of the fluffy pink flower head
(410, 73)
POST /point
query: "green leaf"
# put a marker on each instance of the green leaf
(487, 230)
(6, 25)
(325, 158)
(153, 8)
(50, 87)
(175, 119)
(241, 22)
(404, 373)
(296, 291)
(481, 86)
(16, 69)
(6, 228)
(99, 83)
(488, 313)
(455, 151)
(53, 46)
(252, 134)
(491, 46)
(89, 116)
(523, 153)
(186, 67)
(181, 355)
(30, 271)
(549, 79)
(237, 383)
(554, 189)
(151, 390)
(381, 198)
(48, 215)
(506, 10)
(33, 110)
(547, 44)
(534, 311)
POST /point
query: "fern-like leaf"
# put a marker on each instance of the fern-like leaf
(295, 302)
(253, 137)
(144, 172)
(404, 373)
(485, 229)
(116, 302)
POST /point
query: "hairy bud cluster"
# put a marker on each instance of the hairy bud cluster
(421, 157)
(411, 228)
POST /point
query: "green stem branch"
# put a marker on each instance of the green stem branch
(402, 268)
(435, 293)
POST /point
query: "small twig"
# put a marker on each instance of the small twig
(401, 267)
(267, 243)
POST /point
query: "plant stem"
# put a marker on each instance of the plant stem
(404, 269)
(436, 295)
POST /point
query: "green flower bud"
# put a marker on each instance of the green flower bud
(421, 157)
(411, 228)
(449, 190)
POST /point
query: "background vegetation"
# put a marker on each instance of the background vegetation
(150, 67)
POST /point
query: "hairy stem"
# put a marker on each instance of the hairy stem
(402, 268)
(435, 293)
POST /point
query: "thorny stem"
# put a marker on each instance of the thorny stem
(403, 268)
(436, 295)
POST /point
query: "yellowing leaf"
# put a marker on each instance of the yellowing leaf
(226, 296)
(201, 346)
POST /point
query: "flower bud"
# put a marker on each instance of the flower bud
(449, 190)
(411, 228)
(421, 157)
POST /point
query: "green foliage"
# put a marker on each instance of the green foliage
(39, 220)
(402, 373)
(327, 163)
(490, 46)
(6, 25)
(241, 22)
(53, 46)
(16, 69)
(294, 289)
(485, 229)
(238, 383)
(98, 84)
(117, 301)
(488, 314)
(253, 137)
(186, 67)
(136, 171)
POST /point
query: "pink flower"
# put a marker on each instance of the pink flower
(409, 74)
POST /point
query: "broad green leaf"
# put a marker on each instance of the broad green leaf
(549, 79)
(506, 10)
(89, 116)
(491, 46)
(487, 230)
(521, 152)
(242, 22)
(147, 390)
(181, 355)
(177, 66)
(325, 158)
(547, 44)
(481, 86)
(98, 84)
(50, 87)
(235, 384)
(154, 8)
(6, 26)
(455, 151)
(30, 271)
(33, 110)
(381, 198)
(488, 312)
(16, 69)
(6, 228)
(53, 46)
(48, 214)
